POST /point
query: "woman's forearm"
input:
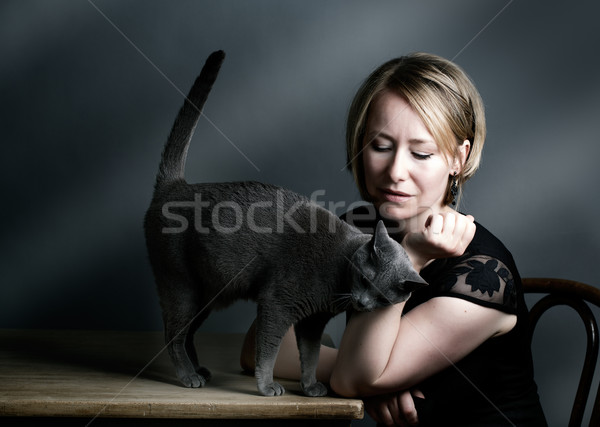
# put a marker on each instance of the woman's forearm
(365, 349)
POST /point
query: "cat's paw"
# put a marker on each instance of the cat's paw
(273, 389)
(204, 373)
(315, 390)
(197, 379)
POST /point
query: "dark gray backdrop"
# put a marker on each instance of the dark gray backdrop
(89, 91)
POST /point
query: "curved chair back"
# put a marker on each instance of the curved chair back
(577, 296)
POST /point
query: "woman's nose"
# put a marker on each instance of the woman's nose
(398, 167)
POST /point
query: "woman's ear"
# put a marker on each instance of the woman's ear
(463, 154)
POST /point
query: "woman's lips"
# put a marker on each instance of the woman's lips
(394, 196)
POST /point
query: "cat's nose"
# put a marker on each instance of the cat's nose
(362, 302)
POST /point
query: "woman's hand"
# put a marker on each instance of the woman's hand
(394, 409)
(445, 235)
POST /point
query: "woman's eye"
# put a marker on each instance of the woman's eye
(421, 156)
(381, 148)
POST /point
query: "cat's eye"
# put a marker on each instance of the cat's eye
(384, 301)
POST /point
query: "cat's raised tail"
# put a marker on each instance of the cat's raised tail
(172, 164)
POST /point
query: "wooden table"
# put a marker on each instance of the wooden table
(124, 378)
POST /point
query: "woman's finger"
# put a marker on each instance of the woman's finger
(378, 410)
(460, 228)
(469, 233)
(407, 408)
(395, 411)
(436, 224)
(449, 224)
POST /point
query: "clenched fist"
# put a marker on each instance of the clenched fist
(445, 235)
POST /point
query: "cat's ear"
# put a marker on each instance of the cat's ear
(413, 282)
(381, 239)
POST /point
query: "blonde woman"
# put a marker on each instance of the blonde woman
(455, 353)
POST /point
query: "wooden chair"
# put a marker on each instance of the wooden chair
(577, 296)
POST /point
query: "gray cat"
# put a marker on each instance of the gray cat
(299, 262)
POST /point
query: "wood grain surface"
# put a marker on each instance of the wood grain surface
(128, 375)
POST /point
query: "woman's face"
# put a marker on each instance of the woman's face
(406, 173)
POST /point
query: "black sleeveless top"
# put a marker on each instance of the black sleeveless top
(493, 385)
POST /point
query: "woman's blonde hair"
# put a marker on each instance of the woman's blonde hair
(441, 94)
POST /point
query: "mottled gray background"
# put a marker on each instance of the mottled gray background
(89, 93)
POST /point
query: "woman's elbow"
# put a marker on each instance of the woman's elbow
(345, 385)
(359, 384)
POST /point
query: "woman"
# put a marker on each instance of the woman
(456, 352)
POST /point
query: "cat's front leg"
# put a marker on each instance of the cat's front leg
(308, 335)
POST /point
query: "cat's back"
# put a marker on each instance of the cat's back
(226, 207)
(246, 193)
(245, 212)
(258, 210)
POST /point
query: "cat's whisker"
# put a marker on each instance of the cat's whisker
(342, 301)
(344, 294)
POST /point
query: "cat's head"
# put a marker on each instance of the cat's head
(381, 273)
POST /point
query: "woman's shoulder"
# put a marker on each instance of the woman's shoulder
(487, 244)
(485, 274)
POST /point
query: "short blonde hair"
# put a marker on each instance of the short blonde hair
(441, 94)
